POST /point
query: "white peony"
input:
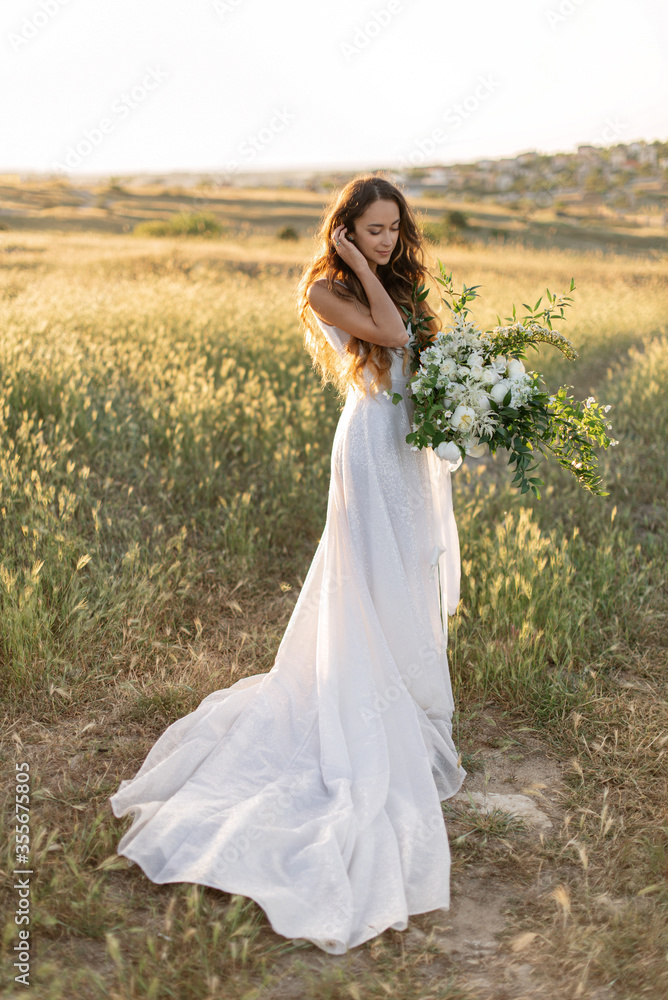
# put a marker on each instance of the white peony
(491, 376)
(448, 366)
(515, 368)
(480, 400)
(498, 391)
(448, 450)
(463, 417)
(476, 369)
(474, 448)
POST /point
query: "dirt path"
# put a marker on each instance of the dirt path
(511, 802)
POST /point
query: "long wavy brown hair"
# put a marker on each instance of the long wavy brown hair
(405, 266)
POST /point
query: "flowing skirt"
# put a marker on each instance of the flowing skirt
(315, 788)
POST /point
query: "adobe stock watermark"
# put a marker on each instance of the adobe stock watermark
(224, 7)
(274, 805)
(22, 778)
(122, 108)
(557, 15)
(611, 131)
(454, 117)
(428, 653)
(331, 586)
(33, 24)
(251, 147)
(364, 33)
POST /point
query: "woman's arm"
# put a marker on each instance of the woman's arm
(383, 324)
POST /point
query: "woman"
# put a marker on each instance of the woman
(315, 788)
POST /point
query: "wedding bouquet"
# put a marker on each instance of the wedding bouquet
(472, 392)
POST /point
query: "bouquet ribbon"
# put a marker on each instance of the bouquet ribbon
(445, 563)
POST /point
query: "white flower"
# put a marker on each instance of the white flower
(475, 362)
(491, 376)
(448, 366)
(515, 368)
(499, 363)
(498, 391)
(480, 400)
(477, 372)
(486, 422)
(448, 450)
(474, 448)
(463, 417)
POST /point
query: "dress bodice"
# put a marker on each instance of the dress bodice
(399, 372)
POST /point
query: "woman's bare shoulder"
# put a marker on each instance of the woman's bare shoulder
(320, 285)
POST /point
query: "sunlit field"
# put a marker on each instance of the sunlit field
(164, 465)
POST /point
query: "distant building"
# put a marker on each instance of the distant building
(504, 181)
(648, 154)
(507, 165)
(618, 156)
(437, 175)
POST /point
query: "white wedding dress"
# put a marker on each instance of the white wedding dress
(315, 788)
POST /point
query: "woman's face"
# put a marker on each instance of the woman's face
(376, 231)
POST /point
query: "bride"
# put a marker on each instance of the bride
(315, 788)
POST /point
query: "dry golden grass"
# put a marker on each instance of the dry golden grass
(159, 416)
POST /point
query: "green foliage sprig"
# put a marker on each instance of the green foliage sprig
(556, 424)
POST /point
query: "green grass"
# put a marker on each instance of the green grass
(181, 224)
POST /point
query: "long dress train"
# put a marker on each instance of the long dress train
(315, 788)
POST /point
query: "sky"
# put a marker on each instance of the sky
(122, 86)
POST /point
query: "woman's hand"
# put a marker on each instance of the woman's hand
(348, 252)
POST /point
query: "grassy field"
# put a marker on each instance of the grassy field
(120, 205)
(164, 463)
